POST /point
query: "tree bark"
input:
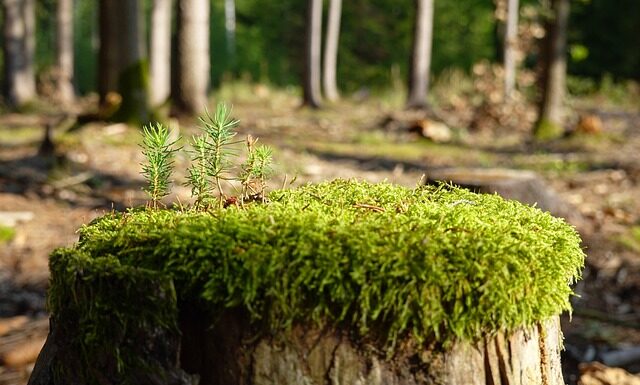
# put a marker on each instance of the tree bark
(160, 52)
(311, 82)
(510, 49)
(64, 51)
(331, 51)
(222, 355)
(133, 75)
(553, 73)
(108, 62)
(19, 51)
(230, 30)
(192, 72)
(421, 54)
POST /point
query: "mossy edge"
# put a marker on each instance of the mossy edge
(435, 264)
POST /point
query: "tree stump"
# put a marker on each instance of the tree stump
(341, 283)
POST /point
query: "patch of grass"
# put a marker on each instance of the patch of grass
(631, 240)
(435, 264)
(6, 234)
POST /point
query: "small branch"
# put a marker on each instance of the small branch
(369, 207)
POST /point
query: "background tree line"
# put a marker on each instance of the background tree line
(185, 46)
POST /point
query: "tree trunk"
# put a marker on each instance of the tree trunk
(108, 56)
(192, 72)
(553, 73)
(421, 55)
(160, 52)
(311, 83)
(510, 49)
(133, 74)
(64, 52)
(230, 30)
(331, 51)
(19, 51)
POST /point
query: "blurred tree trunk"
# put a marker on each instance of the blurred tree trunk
(311, 82)
(331, 50)
(133, 76)
(64, 51)
(192, 72)
(19, 51)
(510, 49)
(230, 29)
(553, 73)
(160, 52)
(421, 55)
(108, 63)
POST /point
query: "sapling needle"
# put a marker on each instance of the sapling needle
(157, 147)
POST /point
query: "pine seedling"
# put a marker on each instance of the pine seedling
(197, 174)
(157, 147)
(219, 134)
(256, 169)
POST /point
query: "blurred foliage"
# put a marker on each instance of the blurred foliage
(375, 41)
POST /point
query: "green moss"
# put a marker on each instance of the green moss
(547, 130)
(6, 234)
(433, 263)
(133, 86)
(631, 239)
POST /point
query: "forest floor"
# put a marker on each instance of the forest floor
(94, 169)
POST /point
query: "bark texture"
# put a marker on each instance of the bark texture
(553, 73)
(231, 350)
(510, 48)
(160, 52)
(192, 72)
(19, 51)
(108, 56)
(331, 51)
(64, 51)
(230, 353)
(133, 77)
(421, 54)
(313, 47)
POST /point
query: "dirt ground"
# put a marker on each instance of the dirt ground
(45, 195)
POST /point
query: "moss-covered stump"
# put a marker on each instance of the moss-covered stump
(338, 283)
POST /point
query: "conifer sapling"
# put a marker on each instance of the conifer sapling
(216, 144)
(157, 147)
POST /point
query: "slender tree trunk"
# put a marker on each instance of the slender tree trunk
(19, 51)
(108, 55)
(421, 55)
(133, 75)
(331, 50)
(510, 49)
(160, 53)
(192, 83)
(230, 29)
(311, 83)
(64, 52)
(553, 73)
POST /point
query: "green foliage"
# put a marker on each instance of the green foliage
(547, 130)
(217, 142)
(256, 169)
(6, 234)
(435, 264)
(157, 147)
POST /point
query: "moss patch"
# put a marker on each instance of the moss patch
(6, 234)
(432, 263)
(547, 130)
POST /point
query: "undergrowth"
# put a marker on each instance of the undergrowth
(435, 264)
